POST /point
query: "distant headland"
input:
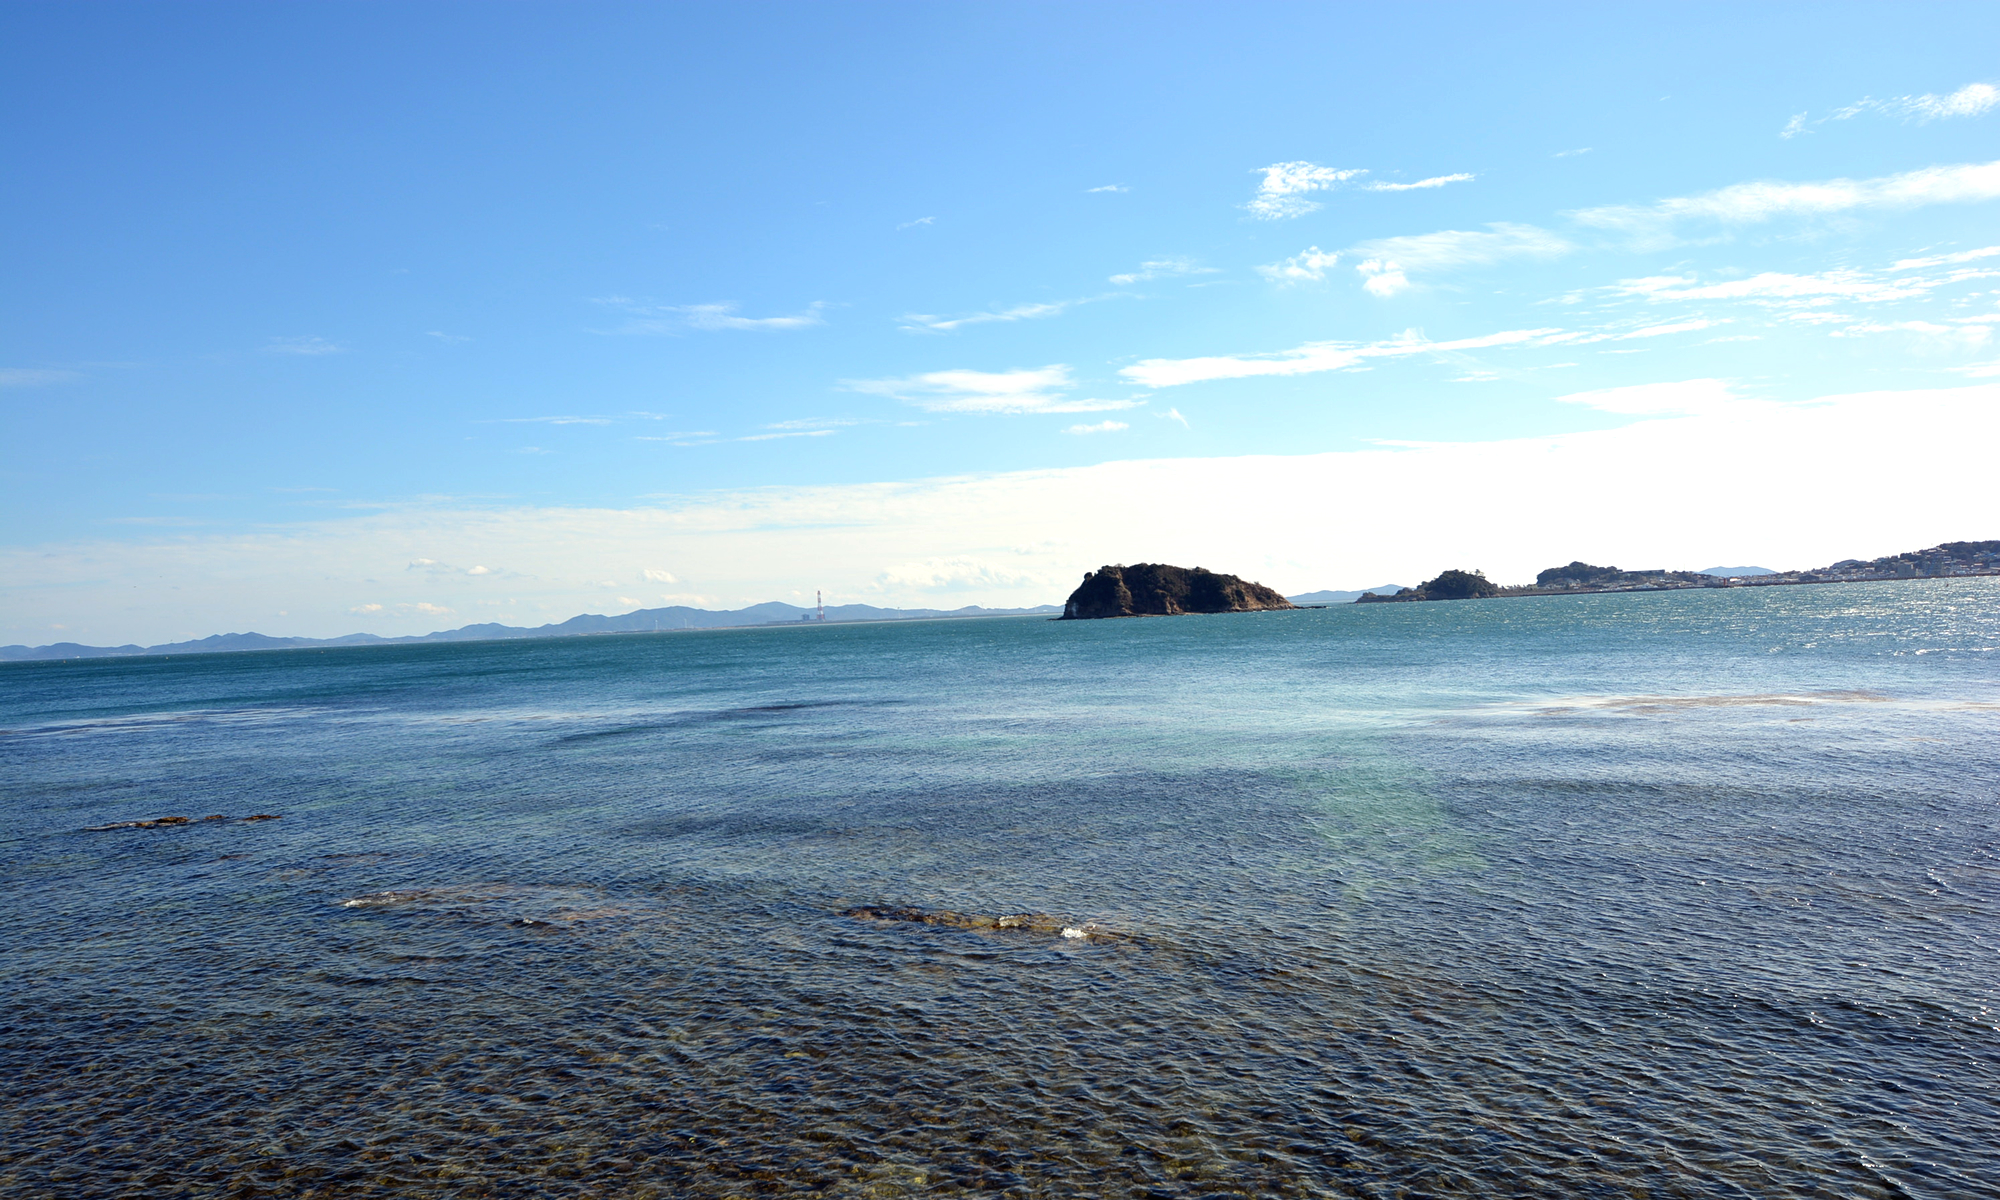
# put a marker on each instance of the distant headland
(1159, 590)
(1947, 561)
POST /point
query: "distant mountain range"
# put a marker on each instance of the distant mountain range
(1344, 597)
(645, 620)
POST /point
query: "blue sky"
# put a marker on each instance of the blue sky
(330, 317)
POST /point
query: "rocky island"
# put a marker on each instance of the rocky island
(1158, 590)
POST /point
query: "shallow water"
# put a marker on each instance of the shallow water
(1687, 894)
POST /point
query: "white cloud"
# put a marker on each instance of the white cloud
(1041, 390)
(1751, 203)
(1099, 427)
(678, 438)
(1386, 263)
(1972, 100)
(479, 570)
(1307, 266)
(366, 608)
(303, 345)
(658, 576)
(1794, 127)
(1109, 187)
(448, 338)
(917, 322)
(555, 420)
(917, 222)
(1174, 414)
(1313, 357)
(1283, 190)
(1159, 267)
(13, 377)
(1571, 153)
(1510, 506)
(1433, 182)
(1382, 278)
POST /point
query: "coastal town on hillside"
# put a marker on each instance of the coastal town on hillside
(1949, 560)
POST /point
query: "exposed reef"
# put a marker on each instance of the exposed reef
(1041, 923)
(1158, 590)
(170, 822)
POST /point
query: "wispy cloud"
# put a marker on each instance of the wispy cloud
(786, 433)
(1571, 153)
(1283, 190)
(917, 222)
(1109, 187)
(1313, 357)
(450, 338)
(927, 323)
(554, 420)
(1160, 268)
(1929, 334)
(1386, 263)
(303, 345)
(1944, 260)
(1307, 266)
(1174, 414)
(723, 316)
(1039, 390)
(1434, 181)
(1099, 427)
(1752, 203)
(1587, 337)
(1972, 100)
(678, 437)
(673, 318)
(1782, 290)
(18, 377)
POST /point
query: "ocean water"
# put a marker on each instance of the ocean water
(1686, 894)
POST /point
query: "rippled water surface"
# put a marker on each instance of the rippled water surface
(1650, 895)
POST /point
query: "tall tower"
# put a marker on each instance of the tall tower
(820, 599)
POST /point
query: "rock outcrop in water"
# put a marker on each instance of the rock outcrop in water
(1158, 590)
(170, 822)
(1041, 923)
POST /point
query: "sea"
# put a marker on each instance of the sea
(1684, 894)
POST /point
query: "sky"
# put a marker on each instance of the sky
(392, 318)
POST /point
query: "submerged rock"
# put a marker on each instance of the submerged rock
(1041, 923)
(1159, 590)
(167, 822)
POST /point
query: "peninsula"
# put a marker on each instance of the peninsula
(1950, 560)
(1159, 590)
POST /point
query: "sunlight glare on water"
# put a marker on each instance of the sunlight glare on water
(1686, 894)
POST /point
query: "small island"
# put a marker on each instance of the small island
(1159, 590)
